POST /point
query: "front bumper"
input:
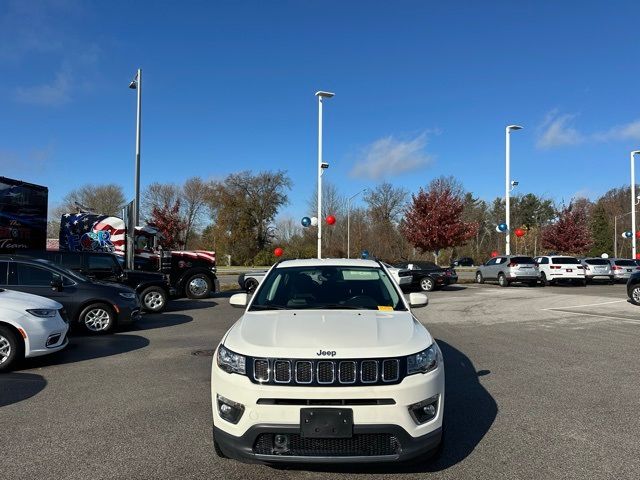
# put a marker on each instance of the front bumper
(377, 409)
(407, 447)
(127, 314)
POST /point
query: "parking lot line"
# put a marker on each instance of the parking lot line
(610, 317)
(589, 305)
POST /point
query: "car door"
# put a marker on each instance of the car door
(36, 279)
(488, 268)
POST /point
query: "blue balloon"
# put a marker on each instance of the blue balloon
(502, 227)
(628, 234)
(365, 254)
(306, 221)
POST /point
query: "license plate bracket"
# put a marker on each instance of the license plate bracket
(326, 422)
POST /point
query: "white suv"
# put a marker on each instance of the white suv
(30, 326)
(327, 364)
(555, 268)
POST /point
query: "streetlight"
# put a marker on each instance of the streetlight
(136, 84)
(508, 185)
(321, 165)
(349, 221)
(633, 204)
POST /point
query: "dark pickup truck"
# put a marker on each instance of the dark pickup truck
(152, 288)
(427, 275)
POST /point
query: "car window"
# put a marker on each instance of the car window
(491, 262)
(327, 287)
(3, 273)
(101, 262)
(72, 261)
(30, 275)
(625, 263)
(565, 261)
(522, 260)
(597, 261)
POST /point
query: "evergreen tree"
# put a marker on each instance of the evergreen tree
(601, 232)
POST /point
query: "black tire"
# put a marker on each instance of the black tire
(153, 299)
(11, 349)
(584, 283)
(198, 286)
(250, 285)
(533, 283)
(427, 284)
(543, 280)
(479, 278)
(97, 318)
(634, 295)
(217, 449)
(502, 280)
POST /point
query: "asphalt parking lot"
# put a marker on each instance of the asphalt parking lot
(542, 383)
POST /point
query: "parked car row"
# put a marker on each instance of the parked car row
(552, 269)
(45, 294)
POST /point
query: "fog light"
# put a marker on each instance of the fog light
(424, 411)
(280, 444)
(229, 410)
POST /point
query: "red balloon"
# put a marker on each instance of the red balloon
(331, 219)
(519, 232)
(278, 252)
(638, 234)
(494, 254)
(637, 256)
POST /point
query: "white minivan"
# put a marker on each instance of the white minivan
(30, 326)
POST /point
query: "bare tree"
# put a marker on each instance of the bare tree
(195, 195)
(386, 202)
(157, 195)
(105, 199)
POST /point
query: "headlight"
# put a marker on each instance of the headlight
(42, 312)
(128, 295)
(231, 362)
(424, 361)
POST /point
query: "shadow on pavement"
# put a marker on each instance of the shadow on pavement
(85, 347)
(159, 320)
(469, 413)
(16, 387)
(182, 305)
(453, 288)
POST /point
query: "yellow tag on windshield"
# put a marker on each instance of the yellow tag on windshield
(385, 308)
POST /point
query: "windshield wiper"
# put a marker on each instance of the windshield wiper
(337, 306)
(267, 307)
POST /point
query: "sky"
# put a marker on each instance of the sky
(423, 89)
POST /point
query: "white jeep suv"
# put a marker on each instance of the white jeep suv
(327, 364)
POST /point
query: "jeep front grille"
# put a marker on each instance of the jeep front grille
(279, 371)
(360, 445)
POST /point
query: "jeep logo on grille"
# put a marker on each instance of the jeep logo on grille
(326, 353)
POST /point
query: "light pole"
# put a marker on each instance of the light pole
(136, 84)
(633, 204)
(321, 165)
(349, 221)
(508, 185)
(615, 228)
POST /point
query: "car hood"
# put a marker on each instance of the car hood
(19, 302)
(115, 287)
(304, 334)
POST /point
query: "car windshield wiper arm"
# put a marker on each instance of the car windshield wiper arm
(268, 307)
(337, 306)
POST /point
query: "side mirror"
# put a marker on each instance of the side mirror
(239, 300)
(56, 283)
(418, 300)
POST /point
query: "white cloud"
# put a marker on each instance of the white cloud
(48, 94)
(627, 131)
(556, 131)
(388, 156)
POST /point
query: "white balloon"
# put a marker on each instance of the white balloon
(605, 255)
(314, 221)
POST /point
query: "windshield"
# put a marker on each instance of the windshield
(597, 261)
(522, 260)
(327, 287)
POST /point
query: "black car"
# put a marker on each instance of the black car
(633, 288)
(152, 288)
(463, 262)
(98, 306)
(427, 275)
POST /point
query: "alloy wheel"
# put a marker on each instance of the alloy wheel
(635, 293)
(97, 320)
(5, 349)
(153, 300)
(198, 286)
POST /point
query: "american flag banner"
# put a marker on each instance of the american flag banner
(91, 232)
